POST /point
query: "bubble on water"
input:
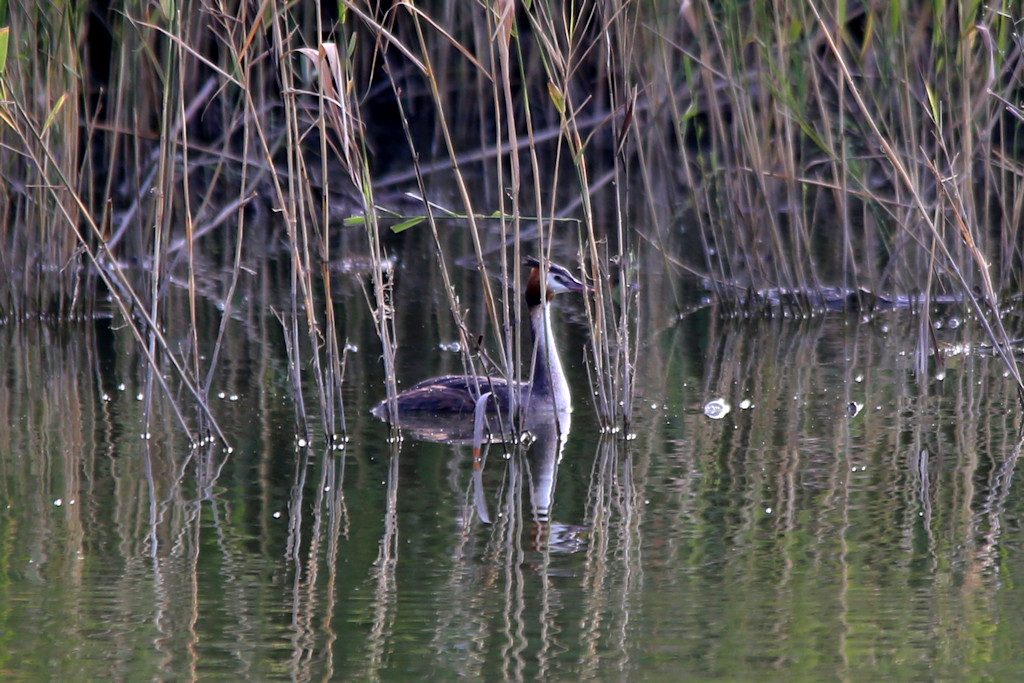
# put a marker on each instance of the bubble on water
(956, 350)
(940, 375)
(858, 379)
(104, 397)
(937, 324)
(120, 387)
(277, 515)
(953, 323)
(220, 394)
(768, 511)
(453, 346)
(745, 404)
(58, 502)
(303, 443)
(138, 396)
(717, 409)
(233, 397)
(351, 348)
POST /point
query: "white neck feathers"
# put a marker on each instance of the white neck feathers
(548, 383)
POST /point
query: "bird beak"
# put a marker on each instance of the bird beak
(578, 286)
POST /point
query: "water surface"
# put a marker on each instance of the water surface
(849, 522)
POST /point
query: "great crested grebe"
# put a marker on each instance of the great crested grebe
(547, 392)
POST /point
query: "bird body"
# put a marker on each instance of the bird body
(546, 394)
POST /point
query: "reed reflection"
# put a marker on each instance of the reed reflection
(796, 501)
(501, 559)
(314, 546)
(794, 535)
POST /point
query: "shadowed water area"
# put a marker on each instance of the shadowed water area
(841, 520)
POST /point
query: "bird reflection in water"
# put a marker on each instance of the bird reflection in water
(535, 454)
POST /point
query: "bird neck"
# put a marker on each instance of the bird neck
(548, 381)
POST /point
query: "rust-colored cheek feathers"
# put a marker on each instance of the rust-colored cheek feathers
(533, 289)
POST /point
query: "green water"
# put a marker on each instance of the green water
(788, 540)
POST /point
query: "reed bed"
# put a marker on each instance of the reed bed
(743, 146)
